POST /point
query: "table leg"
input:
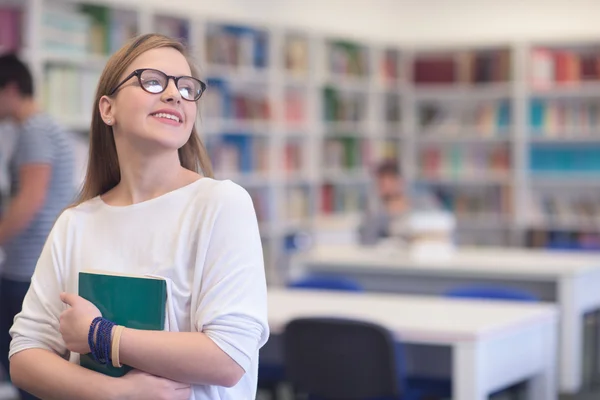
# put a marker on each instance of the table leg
(543, 386)
(466, 372)
(571, 338)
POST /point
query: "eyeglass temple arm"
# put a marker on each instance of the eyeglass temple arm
(134, 73)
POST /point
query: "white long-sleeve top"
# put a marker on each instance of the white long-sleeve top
(203, 238)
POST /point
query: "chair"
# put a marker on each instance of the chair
(271, 375)
(335, 359)
(491, 293)
(326, 282)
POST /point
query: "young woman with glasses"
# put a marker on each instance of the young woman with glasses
(149, 206)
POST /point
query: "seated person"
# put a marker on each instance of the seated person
(394, 201)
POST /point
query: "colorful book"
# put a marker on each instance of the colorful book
(136, 302)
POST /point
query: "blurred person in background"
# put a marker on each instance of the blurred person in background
(7, 145)
(41, 171)
(394, 200)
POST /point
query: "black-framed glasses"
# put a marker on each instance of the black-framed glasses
(154, 81)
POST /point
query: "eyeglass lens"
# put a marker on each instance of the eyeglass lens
(156, 82)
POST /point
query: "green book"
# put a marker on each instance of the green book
(136, 302)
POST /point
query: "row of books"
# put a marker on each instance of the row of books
(338, 199)
(68, 92)
(484, 119)
(392, 106)
(295, 106)
(238, 153)
(347, 59)
(486, 203)
(563, 239)
(237, 46)
(296, 56)
(297, 204)
(469, 160)
(342, 105)
(172, 27)
(550, 67)
(555, 209)
(81, 30)
(10, 29)
(575, 158)
(345, 153)
(391, 66)
(293, 156)
(223, 101)
(573, 118)
(463, 67)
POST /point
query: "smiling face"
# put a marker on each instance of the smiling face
(151, 121)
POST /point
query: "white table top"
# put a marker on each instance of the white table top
(500, 262)
(417, 319)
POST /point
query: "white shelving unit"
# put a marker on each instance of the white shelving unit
(319, 130)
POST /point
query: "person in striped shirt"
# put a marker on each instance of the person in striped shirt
(41, 171)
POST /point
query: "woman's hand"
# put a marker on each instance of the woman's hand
(75, 322)
(138, 385)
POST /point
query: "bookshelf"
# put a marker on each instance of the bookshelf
(300, 119)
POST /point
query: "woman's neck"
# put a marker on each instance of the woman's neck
(144, 178)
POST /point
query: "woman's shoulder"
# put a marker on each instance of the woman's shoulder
(76, 212)
(219, 191)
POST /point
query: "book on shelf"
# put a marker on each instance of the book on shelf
(296, 56)
(133, 301)
(345, 153)
(390, 66)
(343, 199)
(238, 153)
(237, 46)
(173, 27)
(343, 106)
(10, 29)
(347, 59)
(297, 204)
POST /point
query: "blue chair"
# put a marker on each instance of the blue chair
(491, 293)
(271, 375)
(327, 282)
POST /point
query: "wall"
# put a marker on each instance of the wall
(414, 21)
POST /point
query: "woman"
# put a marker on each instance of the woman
(145, 209)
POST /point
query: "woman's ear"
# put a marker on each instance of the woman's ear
(106, 110)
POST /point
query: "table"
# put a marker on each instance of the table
(570, 279)
(494, 344)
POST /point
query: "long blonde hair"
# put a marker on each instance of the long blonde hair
(103, 171)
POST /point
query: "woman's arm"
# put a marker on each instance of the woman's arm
(48, 376)
(182, 356)
(189, 357)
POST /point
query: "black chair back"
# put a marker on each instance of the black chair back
(336, 359)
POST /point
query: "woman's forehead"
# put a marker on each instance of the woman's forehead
(167, 60)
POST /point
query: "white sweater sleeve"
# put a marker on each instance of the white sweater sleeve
(37, 325)
(232, 306)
